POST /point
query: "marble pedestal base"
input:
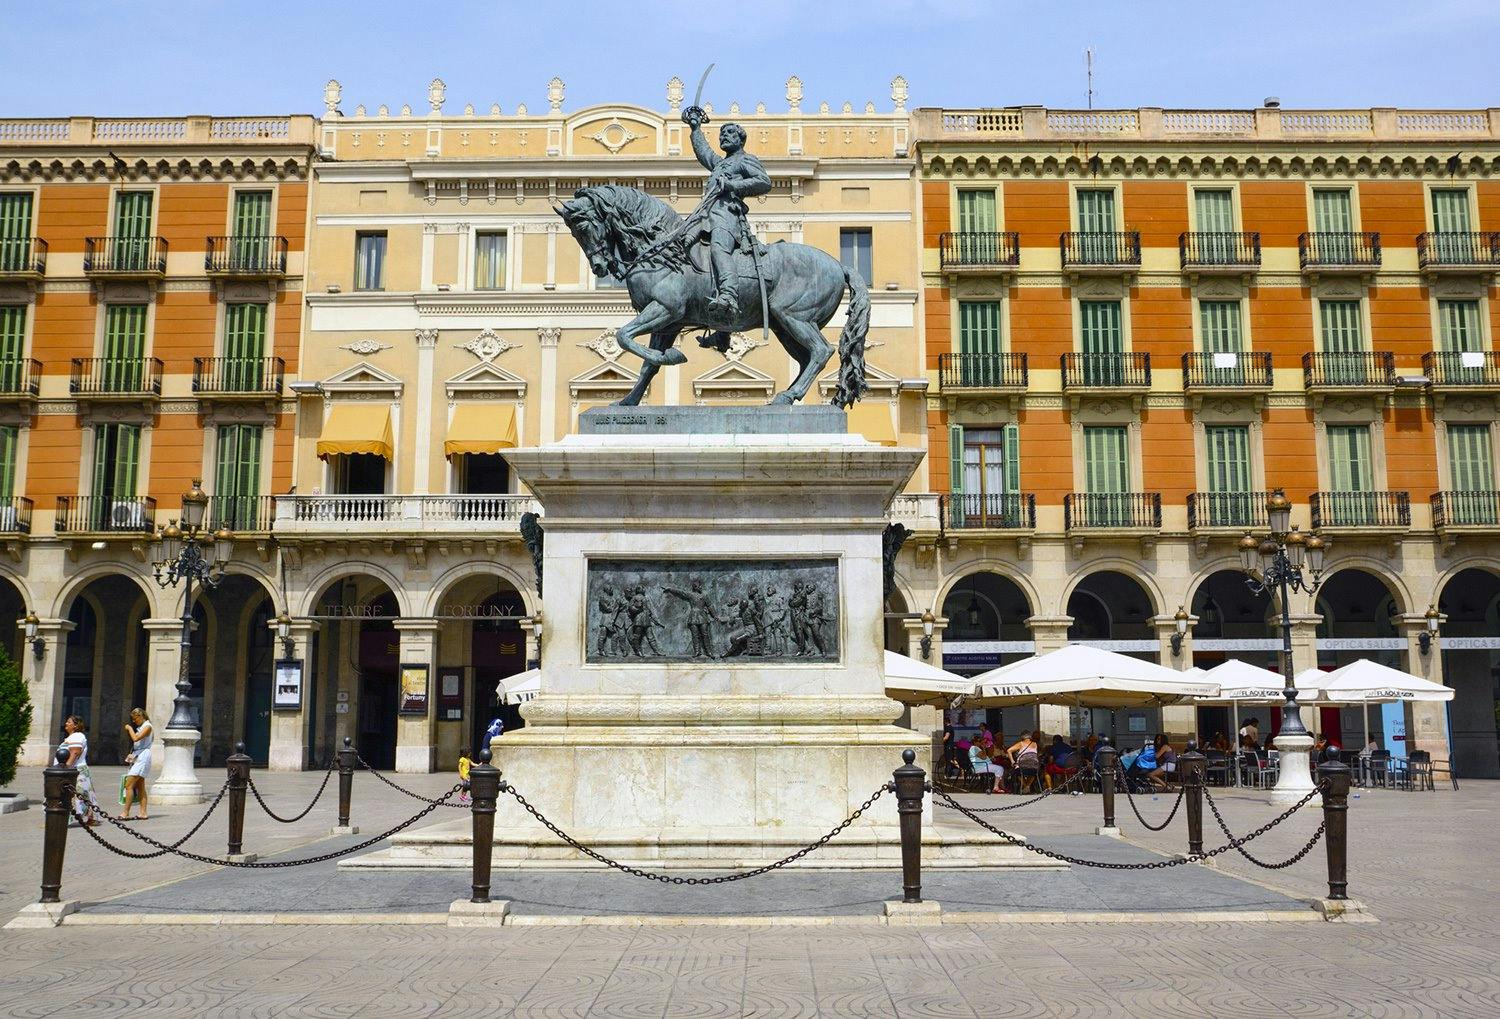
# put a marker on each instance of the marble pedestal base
(178, 783)
(1294, 777)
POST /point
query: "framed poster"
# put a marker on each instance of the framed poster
(413, 689)
(286, 685)
(451, 693)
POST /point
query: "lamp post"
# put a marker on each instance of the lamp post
(187, 554)
(1432, 618)
(1285, 561)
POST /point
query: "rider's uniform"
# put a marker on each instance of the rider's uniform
(736, 176)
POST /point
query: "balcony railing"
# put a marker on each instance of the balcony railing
(1466, 509)
(1361, 509)
(1324, 249)
(1112, 511)
(1368, 369)
(1458, 250)
(919, 511)
(23, 256)
(355, 514)
(111, 376)
(125, 256)
(15, 515)
(1118, 250)
(243, 514)
(1460, 368)
(238, 375)
(1129, 370)
(1237, 510)
(245, 256)
(20, 376)
(1246, 369)
(1202, 250)
(989, 510)
(982, 371)
(102, 514)
(986, 249)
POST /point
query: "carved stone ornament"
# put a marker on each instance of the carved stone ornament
(740, 345)
(487, 346)
(614, 136)
(364, 348)
(899, 93)
(332, 92)
(674, 94)
(436, 93)
(555, 94)
(605, 345)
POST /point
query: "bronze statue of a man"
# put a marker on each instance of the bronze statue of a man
(733, 177)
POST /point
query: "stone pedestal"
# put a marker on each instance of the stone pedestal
(1294, 778)
(178, 783)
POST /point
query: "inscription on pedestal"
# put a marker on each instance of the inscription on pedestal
(761, 610)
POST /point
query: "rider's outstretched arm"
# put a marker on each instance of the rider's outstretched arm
(703, 150)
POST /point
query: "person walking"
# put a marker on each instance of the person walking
(138, 731)
(77, 745)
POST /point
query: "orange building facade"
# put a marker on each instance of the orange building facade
(150, 311)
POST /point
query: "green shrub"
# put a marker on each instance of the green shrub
(15, 716)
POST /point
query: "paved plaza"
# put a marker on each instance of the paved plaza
(1422, 862)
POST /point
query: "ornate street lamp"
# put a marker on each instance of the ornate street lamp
(187, 554)
(1180, 621)
(284, 634)
(928, 620)
(1425, 637)
(1285, 561)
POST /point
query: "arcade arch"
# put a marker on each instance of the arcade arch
(480, 642)
(1470, 599)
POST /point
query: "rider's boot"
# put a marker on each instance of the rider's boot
(724, 302)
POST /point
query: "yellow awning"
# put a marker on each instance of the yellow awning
(357, 428)
(873, 421)
(481, 428)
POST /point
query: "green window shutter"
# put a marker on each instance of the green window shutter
(956, 473)
(1012, 459)
(1450, 210)
(1214, 208)
(12, 346)
(132, 245)
(244, 346)
(976, 212)
(127, 461)
(15, 230)
(1103, 342)
(237, 487)
(1333, 211)
(979, 341)
(1341, 329)
(124, 347)
(1096, 210)
(250, 247)
(1107, 468)
(1229, 497)
(1220, 322)
(1471, 458)
(1349, 458)
(1458, 326)
(9, 443)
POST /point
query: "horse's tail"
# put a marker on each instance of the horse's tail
(852, 383)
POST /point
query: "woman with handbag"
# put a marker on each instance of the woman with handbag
(138, 730)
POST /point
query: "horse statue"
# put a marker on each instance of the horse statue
(793, 289)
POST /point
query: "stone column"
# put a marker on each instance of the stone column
(927, 720)
(1176, 718)
(1426, 721)
(163, 663)
(1049, 633)
(290, 740)
(416, 737)
(44, 678)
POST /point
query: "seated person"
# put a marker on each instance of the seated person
(979, 760)
(1220, 742)
(1059, 757)
(1166, 763)
(1026, 754)
(1142, 766)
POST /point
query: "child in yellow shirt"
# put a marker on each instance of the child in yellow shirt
(464, 764)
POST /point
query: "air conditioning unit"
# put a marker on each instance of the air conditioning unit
(127, 516)
(1411, 380)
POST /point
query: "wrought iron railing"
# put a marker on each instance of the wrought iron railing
(1226, 509)
(1466, 509)
(1331, 369)
(1479, 250)
(15, 515)
(23, 256)
(245, 256)
(20, 376)
(1243, 369)
(243, 514)
(982, 371)
(1085, 248)
(978, 249)
(1461, 367)
(238, 374)
(1330, 249)
(1361, 509)
(115, 375)
(1127, 370)
(1133, 510)
(126, 255)
(104, 514)
(992, 510)
(1209, 249)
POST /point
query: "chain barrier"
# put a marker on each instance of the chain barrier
(441, 801)
(1181, 792)
(1151, 865)
(327, 774)
(1077, 777)
(673, 879)
(94, 804)
(248, 865)
(1322, 827)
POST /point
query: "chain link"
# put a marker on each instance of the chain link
(441, 802)
(94, 804)
(1182, 791)
(271, 864)
(673, 879)
(1322, 826)
(327, 774)
(1078, 776)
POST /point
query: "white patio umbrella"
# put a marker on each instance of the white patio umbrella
(912, 682)
(1087, 677)
(1365, 682)
(520, 688)
(1243, 683)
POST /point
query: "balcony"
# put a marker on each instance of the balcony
(1353, 371)
(20, 379)
(88, 515)
(245, 258)
(1372, 511)
(1241, 371)
(1455, 513)
(1328, 253)
(231, 377)
(23, 259)
(918, 511)
(242, 514)
(1459, 253)
(1462, 370)
(1102, 374)
(1231, 512)
(360, 516)
(15, 516)
(1112, 514)
(992, 511)
(116, 378)
(1219, 254)
(1101, 254)
(980, 251)
(987, 373)
(125, 258)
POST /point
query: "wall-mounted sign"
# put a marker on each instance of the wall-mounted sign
(414, 689)
(451, 693)
(286, 685)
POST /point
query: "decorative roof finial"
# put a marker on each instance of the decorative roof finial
(436, 93)
(555, 92)
(332, 93)
(674, 94)
(794, 93)
(899, 93)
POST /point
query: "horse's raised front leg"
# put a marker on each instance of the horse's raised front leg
(662, 340)
(652, 318)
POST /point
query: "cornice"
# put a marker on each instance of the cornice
(1132, 160)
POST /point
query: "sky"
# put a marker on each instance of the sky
(229, 57)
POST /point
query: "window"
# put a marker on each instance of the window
(132, 238)
(1471, 466)
(10, 437)
(482, 474)
(1096, 223)
(360, 474)
(985, 475)
(123, 366)
(1343, 339)
(250, 245)
(1450, 210)
(855, 251)
(1106, 475)
(244, 347)
(1230, 503)
(1214, 211)
(117, 450)
(979, 343)
(489, 261)
(1333, 220)
(1219, 324)
(1458, 326)
(369, 261)
(12, 345)
(1103, 343)
(237, 478)
(1351, 471)
(15, 231)
(976, 212)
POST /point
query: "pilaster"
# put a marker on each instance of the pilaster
(289, 729)
(927, 721)
(422, 458)
(1049, 633)
(1176, 719)
(1426, 721)
(44, 678)
(163, 666)
(416, 735)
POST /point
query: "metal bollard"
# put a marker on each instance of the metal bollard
(910, 785)
(1336, 826)
(346, 758)
(238, 766)
(484, 789)
(1108, 756)
(58, 782)
(1190, 770)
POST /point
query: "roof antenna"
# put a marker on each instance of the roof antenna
(1088, 60)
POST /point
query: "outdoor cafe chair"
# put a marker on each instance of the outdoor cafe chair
(1216, 768)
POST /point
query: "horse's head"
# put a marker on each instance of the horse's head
(587, 224)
